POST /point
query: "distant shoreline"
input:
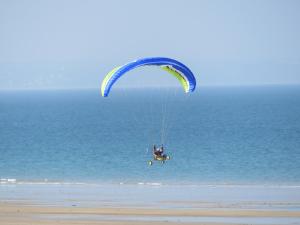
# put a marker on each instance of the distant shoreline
(154, 87)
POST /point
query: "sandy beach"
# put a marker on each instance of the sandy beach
(25, 213)
(29, 204)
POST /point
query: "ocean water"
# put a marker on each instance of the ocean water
(217, 135)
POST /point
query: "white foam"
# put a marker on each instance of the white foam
(8, 181)
(154, 184)
(46, 181)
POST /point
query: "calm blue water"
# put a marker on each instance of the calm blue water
(248, 135)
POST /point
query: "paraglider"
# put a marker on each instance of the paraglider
(177, 69)
(181, 72)
(158, 154)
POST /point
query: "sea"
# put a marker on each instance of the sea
(219, 135)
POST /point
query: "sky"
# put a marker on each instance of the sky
(73, 44)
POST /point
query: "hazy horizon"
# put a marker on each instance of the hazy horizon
(74, 44)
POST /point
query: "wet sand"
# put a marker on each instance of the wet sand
(26, 213)
(32, 204)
